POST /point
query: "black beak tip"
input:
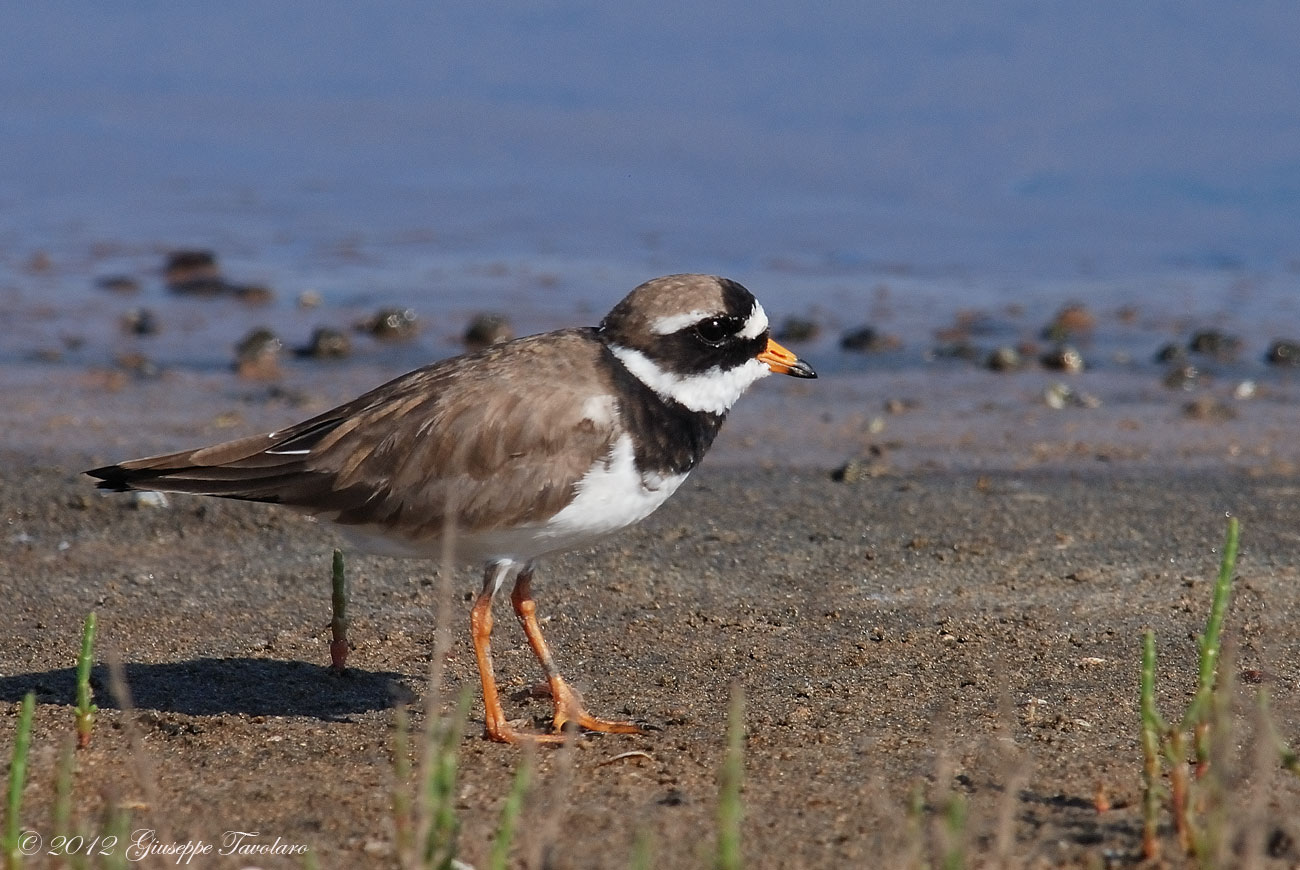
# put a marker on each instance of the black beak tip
(801, 369)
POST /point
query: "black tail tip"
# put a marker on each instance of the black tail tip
(111, 477)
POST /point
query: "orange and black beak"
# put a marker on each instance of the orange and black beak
(782, 362)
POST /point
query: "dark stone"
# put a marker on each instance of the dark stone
(1209, 409)
(865, 339)
(390, 324)
(257, 355)
(140, 321)
(1004, 359)
(1063, 359)
(326, 343)
(1215, 343)
(1284, 352)
(486, 329)
(190, 268)
(1070, 322)
(1171, 353)
(1182, 377)
(252, 294)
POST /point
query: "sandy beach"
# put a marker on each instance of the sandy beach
(928, 633)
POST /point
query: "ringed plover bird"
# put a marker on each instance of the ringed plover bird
(533, 446)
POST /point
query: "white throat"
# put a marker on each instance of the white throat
(713, 391)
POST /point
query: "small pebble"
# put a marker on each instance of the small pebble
(1171, 353)
(251, 294)
(1059, 396)
(1209, 409)
(326, 343)
(855, 470)
(1070, 322)
(1245, 390)
(1182, 377)
(257, 355)
(865, 339)
(195, 273)
(138, 365)
(390, 324)
(140, 321)
(192, 271)
(309, 299)
(1215, 343)
(156, 500)
(1004, 359)
(487, 329)
(1064, 359)
(1284, 352)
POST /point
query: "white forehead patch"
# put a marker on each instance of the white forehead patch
(756, 323)
(669, 325)
(713, 391)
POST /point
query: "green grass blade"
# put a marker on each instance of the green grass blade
(17, 779)
(118, 825)
(510, 813)
(954, 856)
(730, 808)
(403, 821)
(1152, 729)
(440, 790)
(1290, 758)
(642, 850)
(86, 708)
(339, 588)
(1210, 642)
(338, 612)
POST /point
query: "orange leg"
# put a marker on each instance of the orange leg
(568, 706)
(480, 621)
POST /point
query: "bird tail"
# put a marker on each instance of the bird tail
(256, 468)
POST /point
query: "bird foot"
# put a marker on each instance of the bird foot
(504, 732)
(569, 709)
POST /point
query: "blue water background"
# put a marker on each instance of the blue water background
(542, 156)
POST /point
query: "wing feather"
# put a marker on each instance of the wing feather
(501, 438)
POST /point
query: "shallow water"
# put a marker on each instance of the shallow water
(890, 166)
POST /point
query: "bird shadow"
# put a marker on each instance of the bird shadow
(210, 687)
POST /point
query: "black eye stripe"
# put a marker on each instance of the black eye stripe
(717, 329)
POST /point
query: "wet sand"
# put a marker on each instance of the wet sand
(937, 632)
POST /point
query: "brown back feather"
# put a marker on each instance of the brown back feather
(501, 435)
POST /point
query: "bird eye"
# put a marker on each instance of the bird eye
(715, 330)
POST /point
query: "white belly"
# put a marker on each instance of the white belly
(611, 496)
